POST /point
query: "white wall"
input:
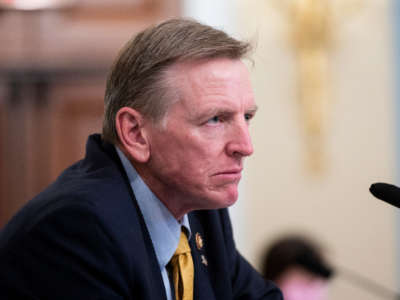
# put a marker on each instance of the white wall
(335, 207)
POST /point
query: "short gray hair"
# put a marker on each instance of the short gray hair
(137, 78)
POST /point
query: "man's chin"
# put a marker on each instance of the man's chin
(227, 198)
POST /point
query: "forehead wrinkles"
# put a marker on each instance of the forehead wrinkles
(210, 76)
(193, 80)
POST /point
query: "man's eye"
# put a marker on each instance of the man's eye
(248, 117)
(214, 120)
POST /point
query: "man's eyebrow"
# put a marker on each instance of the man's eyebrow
(226, 110)
(252, 109)
(215, 111)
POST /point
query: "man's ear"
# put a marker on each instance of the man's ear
(132, 136)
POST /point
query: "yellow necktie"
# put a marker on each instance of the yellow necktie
(183, 270)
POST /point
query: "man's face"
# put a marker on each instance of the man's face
(196, 159)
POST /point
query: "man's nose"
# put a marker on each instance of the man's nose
(240, 141)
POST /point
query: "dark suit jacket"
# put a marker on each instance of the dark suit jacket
(84, 238)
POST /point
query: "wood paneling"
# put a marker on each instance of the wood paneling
(53, 66)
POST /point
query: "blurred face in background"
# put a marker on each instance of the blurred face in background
(298, 284)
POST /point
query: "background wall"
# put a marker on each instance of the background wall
(335, 206)
(53, 67)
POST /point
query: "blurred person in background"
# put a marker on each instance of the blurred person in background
(297, 266)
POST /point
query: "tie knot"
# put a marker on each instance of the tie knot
(183, 246)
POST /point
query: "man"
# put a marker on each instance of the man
(116, 225)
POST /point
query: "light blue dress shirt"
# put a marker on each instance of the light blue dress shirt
(164, 229)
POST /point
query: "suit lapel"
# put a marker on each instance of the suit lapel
(137, 239)
(155, 283)
(203, 288)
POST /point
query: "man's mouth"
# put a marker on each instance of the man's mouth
(234, 174)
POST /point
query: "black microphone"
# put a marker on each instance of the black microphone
(386, 192)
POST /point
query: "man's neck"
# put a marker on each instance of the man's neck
(167, 197)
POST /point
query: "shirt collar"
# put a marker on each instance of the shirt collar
(163, 228)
